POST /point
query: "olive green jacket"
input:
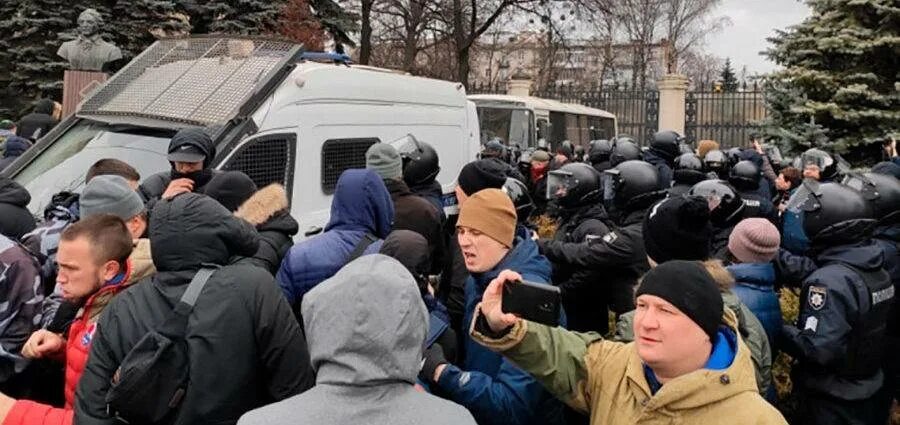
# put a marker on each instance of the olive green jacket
(606, 379)
(749, 327)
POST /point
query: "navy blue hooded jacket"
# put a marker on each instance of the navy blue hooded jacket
(361, 205)
(494, 390)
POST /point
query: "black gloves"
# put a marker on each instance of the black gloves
(434, 357)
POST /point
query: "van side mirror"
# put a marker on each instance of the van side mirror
(312, 231)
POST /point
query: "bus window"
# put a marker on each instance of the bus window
(511, 126)
(602, 128)
(543, 129)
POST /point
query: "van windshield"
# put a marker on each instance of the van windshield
(63, 165)
(512, 126)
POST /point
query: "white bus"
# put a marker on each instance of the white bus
(523, 120)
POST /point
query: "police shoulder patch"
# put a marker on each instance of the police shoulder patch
(816, 297)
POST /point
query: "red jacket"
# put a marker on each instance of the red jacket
(78, 347)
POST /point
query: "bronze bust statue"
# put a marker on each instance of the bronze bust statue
(89, 52)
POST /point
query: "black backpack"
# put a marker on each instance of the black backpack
(153, 378)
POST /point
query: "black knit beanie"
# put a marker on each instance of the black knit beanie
(231, 189)
(690, 288)
(677, 228)
(479, 175)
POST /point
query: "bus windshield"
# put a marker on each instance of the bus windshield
(511, 126)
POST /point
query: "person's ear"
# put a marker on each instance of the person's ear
(110, 270)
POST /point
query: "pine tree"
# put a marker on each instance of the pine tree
(839, 88)
(336, 20)
(729, 79)
(239, 17)
(31, 36)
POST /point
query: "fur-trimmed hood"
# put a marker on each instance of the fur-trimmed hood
(264, 204)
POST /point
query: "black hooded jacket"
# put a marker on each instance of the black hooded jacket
(38, 123)
(15, 220)
(154, 186)
(269, 211)
(246, 349)
(663, 163)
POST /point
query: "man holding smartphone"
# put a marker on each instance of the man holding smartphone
(493, 389)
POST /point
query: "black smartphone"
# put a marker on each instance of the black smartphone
(537, 302)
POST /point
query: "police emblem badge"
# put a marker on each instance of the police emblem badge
(816, 297)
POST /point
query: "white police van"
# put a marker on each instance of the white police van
(274, 114)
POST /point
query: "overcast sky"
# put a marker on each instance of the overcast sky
(751, 22)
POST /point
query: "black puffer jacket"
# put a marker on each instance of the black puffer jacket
(584, 296)
(268, 210)
(15, 220)
(154, 186)
(246, 349)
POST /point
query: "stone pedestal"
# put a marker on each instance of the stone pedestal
(672, 91)
(77, 85)
(518, 87)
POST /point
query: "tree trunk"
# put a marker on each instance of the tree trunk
(365, 33)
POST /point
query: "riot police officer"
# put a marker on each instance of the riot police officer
(599, 155)
(421, 166)
(518, 193)
(818, 165)
(726, 211)
(662, 153)
(620, 252)
(688, 172)
(624, 150)
(745, 176)
(497, 152)
(577, 191)
(844, 309)
(883, 193)
(716, 165)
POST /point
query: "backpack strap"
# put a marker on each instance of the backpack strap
(362, 246)
(193, 291)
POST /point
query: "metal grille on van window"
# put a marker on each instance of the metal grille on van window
(199, 81)
(342, 154)
(265, 161)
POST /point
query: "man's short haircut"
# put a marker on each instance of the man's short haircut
(109, 237)
(114, 167)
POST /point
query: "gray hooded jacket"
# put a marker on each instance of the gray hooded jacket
(366, 328)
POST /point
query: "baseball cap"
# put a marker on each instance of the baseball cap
(186, 153)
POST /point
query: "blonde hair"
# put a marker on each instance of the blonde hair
(719, 273)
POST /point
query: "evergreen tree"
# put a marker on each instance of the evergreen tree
(729, 79)
(240, 17)
(31, 36)
(839, 88)
(336, 20)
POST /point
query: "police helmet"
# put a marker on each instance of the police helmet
(833, 213)
(881, 191)
(666, 142)
(518, 193)
(600, 151)
(823, 160)
(715, 161)
(688, 169)
(420, 161)
(726, 205)
(634, 184)
(744, 175)
(733, 155)
(574, 185)
(624, 150)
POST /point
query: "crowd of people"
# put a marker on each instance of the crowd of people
(181, 298)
